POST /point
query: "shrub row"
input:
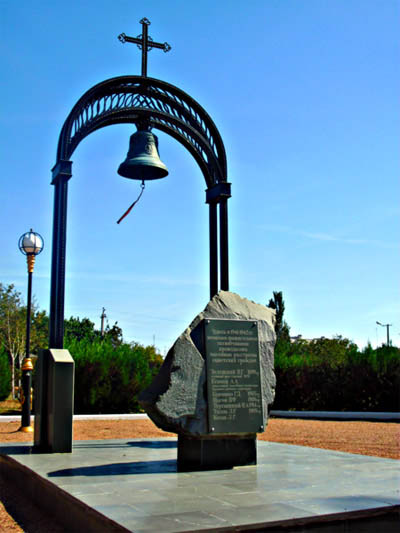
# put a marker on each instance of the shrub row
(351, 381)
(109, 378)
(5, 376)
(326, 374)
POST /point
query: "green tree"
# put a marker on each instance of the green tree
(281, 326)
(12, 327)
(114, 334)
(39, 330)
(79, 329)
(83, 328)
(331, 352)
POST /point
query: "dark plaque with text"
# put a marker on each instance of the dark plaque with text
(233, 376)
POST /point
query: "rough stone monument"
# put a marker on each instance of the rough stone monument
(216, 384)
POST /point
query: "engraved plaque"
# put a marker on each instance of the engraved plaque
(233, 376)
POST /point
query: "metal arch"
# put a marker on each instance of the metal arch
(129, 99)
(126, 99)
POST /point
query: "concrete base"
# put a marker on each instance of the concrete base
(215, 454)
(54, 401)
(133, 485)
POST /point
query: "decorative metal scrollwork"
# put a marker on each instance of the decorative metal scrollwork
(128, 99)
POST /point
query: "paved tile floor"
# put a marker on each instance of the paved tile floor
(135, 483)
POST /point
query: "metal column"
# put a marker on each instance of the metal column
(219, 194)
(61, 175)
(223, 243)
(213, 250)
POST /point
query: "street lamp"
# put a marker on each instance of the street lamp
(30, 244)
(387, 326)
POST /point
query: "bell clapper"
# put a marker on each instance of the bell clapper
(134, 203)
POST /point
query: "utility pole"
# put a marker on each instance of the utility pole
(387, 326)
(103, 316)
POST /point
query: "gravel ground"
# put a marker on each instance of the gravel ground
(368, 438)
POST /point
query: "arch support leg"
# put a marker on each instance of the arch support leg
(213, 250)
(55, 367)
(219, 194)
(223, 243)
(61, 175)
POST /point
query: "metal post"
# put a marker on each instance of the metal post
(387, 326)
(57, 290)
(30, 244)
(223, 242)
(213, 250)
(26, 379)
(28, 308)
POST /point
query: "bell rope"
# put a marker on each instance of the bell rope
(134, 203)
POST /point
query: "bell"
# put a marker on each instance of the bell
(143, 161)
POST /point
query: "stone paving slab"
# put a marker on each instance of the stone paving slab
(134, 483)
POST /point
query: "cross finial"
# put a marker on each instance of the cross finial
(144, 43)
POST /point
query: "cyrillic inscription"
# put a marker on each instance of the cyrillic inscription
(233, 376)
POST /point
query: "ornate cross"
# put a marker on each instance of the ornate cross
(144, 43)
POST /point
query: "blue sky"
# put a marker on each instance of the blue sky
(305, 96)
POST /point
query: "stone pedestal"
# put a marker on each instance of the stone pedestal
(204, 453)
(54, 401)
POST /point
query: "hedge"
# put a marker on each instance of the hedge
(5, 376)
(359, 381)
(109, 378)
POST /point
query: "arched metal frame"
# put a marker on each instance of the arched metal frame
(129, 99)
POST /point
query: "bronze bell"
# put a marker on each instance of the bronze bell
(143, 161)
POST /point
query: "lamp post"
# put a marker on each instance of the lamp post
(387, 326)
(30, 244)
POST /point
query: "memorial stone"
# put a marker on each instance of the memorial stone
(216, 384)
